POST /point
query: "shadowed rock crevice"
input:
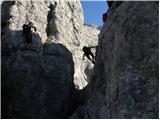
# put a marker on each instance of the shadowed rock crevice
(51, 29)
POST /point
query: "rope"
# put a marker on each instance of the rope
(93, 46)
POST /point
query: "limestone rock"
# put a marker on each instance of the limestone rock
(125, 80)
(37, 82)
(83, 68)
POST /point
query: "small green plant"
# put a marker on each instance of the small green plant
(46, 41)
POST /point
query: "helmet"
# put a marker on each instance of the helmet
(84, 48)
(30, 23)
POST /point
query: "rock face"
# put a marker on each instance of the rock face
(65, 26)
(125, 79)
(38, 82)
(31, 83)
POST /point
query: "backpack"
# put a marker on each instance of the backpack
(26, 28)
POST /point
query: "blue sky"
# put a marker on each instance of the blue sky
(93, 11)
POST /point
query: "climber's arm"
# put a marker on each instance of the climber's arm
(35, 29)
(92, 47)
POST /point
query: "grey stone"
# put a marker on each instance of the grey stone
(124, 83)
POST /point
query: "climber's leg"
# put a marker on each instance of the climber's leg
(92, 55)
(87, 55)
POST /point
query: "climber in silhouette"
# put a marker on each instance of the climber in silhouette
(27, 31)
(88, 53)
(105, 15)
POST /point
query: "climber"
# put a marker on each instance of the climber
(27, 31)
(105, 15)
(87, 53)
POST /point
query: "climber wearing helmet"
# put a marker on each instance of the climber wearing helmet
(87, 53)
(27, 31)
(105, 15)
